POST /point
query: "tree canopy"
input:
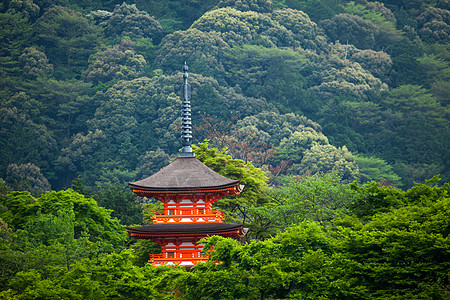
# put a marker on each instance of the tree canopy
(343, 65)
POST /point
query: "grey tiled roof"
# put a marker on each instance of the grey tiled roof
(185, 173)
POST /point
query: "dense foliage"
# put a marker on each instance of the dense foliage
(90, 89)
(401, 254)
(328, 240)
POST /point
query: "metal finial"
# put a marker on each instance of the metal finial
(186, 128)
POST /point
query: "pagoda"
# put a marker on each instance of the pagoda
(187, 188)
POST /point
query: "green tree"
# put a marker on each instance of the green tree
(406, 68)
(437, 67)
(417, 120)
(57, 231)
(378, 63)
(237, 28)
(279, 126)
(379, 198)
(408, 121)
(35, 63)
(352, 29)
(22, 141)
(404, 252)
(255, 138)
(294, 147)
(25, 7)
(376, 198)
(27, 106)
(141, 249)
(119, 62)
(27, 177)
(311, 153)
(69, 40)
(89, 217)
(305, 31)
(201, 49)
(174, 15)
(433, 25)
(376, 169)
(291, 265)
(51, 233)
(79, 155)
(205, 43)
(328, 159)
(112, 276)
(364, 119)
(271, 73)
(64, 105)
(339, 122)
(16, 34)
(316, 9)
(262, 6)
(237, 208)
(318, 198)
(382, 17)
(341, 77)
(121, 201)
(151, 162)
(128, 20)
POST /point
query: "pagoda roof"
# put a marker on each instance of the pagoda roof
(185, 174)
(165, 230)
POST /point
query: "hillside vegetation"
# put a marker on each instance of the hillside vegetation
(90, 89)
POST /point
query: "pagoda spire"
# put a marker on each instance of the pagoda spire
(186, 125)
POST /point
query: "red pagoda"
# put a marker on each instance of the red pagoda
(187, 188)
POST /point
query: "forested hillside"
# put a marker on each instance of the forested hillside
(315, 238)
(334, 114)
(90, 89)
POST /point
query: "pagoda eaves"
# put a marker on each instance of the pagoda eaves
(186, 174)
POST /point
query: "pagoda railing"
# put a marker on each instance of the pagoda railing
(160, 217)
(159, 260)
(154, 257)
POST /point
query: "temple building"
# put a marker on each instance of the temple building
(187, 188)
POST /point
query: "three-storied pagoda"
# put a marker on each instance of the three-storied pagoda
(187, 189)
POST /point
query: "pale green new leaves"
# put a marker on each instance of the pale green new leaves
(311, 153)
(119, 62)
(27, 177)
(35, 63)
(378, 63)
(294, 147)
(317, 198)
(329, 159)
(128, 20)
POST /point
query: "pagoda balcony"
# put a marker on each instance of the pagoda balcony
(158, 260)
(159, 217)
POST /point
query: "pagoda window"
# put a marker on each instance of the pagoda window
(201, 211)
(170, 254)
(171, 212)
